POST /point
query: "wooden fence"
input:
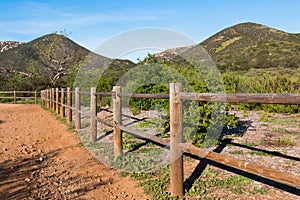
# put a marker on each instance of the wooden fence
(55, 98)
(14, 95)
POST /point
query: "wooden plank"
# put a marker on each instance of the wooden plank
(48, 98)
(62, 102)
(52, 99)
(117, 120)
(15, 97)
(6, 92)
(77, 109)
(25, 92)
(35, 97)
(6, 97)
(176, 154)
(93, 131)
(145, 96)
(57, 100)
(270, 174)
(69, 104)
(103, 94)
(244, 98)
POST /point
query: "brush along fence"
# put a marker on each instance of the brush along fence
(175, 142)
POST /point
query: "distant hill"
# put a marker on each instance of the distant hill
(44, 61)
(250, 45)
(49, 61)
(53, 60)
(244, 46)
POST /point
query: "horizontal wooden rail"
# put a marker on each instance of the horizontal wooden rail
(17, 92)
(143, 135)
(103, 94)
(6, 92)
(145, 96)
(271, 174)
(6, 97)
(17, 97)
(33, 95)
(244, 98)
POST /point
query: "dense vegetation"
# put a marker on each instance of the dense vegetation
(51, 60)
(249, 45)
(275, 80)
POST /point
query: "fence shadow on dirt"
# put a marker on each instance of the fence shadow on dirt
(203, 162)
(27, 178)
(240, 130)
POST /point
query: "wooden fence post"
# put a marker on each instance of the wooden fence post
(48, 98)
(69, 104)
(62, 102)
(117, 119)
(42, 94)
(52, 100)
(57, 100)
(77, 109)
(35, 97)
(93, 133)
(176, 155)
(49, 95)
(15, 96)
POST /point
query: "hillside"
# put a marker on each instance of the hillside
(51, 60)
(250, 45)
(44, 61)
(5, 45)
(244, 46)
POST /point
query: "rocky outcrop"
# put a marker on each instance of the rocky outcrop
(8, 45)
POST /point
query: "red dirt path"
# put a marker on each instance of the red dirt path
(41, 159)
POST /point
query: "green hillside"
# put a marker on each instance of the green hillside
(50, 61)
(250, 45)
(46, 61)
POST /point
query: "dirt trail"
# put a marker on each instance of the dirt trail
(41, 159)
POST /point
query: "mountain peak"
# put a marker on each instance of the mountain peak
(243, 34)
(250, 45)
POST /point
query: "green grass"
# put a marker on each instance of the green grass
(245, 113)
(144, 125)
(265, 117)
(249, 144)
(236, 152)
(260, 153)
(210, 181)
(264, 124)
(285, 131)
(154, 183)
(259, 190)
(284, 141)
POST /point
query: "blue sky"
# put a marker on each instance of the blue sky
(92, 22)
